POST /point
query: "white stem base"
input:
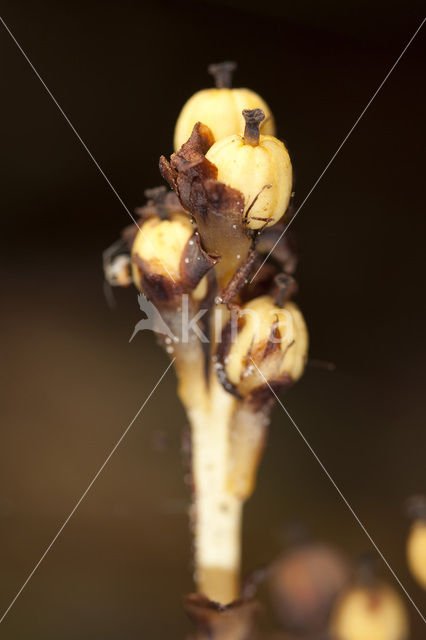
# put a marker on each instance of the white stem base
(218, 511)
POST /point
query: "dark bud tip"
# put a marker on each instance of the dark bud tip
(366, 569)
(416, 507)
(285, 287)
(222, 73)
(253, 118)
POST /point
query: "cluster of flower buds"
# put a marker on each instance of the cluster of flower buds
(202, 255)
(232, 186)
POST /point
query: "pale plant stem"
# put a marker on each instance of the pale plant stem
(227, 440)
(218, 511)
(247, 441)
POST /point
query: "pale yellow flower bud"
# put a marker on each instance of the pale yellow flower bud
(370, 613)
(220, 109)
(271, 344)
(161, 243)
(167, 259)
(259, 167)
(416, 551)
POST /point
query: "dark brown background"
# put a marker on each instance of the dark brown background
(72, 383)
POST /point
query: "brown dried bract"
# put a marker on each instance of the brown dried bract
(216, 207)
(193, 178)
(195, 262)
(161, 202)
(213, 621)
(157, 287)
(262, 398)
(283, 245)
(239, 279)
(222, 352)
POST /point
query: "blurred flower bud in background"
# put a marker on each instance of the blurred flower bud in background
(304, 584)
(369, 609)
(416, 543)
